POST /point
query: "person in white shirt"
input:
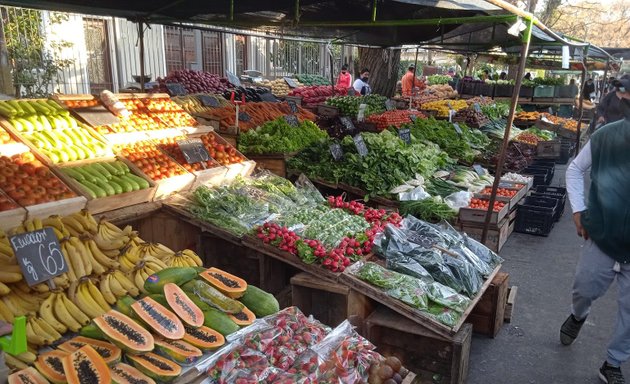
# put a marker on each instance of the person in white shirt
(361, 85)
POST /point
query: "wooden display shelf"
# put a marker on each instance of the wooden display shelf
(275, 163)
(488, 316)
(108, 203)
(414, 314)
(211, 176)
(270, 250)
(59, 207)
(242, 169)
(497, 234)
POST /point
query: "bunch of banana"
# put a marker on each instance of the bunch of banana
(144, 269)
(79, 264)
(110, 239)
(29, 299)
(39, 332)
(16, 306)
(54, 221)
(185, 258)
(21, 361)
(88, 298)
(158, 250)
(62, 314)
(115, 284)
(80, 222)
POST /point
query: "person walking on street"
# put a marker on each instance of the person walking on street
(604, 223)
(610, 108)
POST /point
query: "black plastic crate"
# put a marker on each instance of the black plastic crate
(535, 216)
(559, 193)
(542, 175)
(559, 207)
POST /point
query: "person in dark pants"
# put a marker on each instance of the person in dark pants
(609, 109)
(603, 221)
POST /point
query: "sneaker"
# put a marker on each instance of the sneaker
(570, 329)
(611, 375)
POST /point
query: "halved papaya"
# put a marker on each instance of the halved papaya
(124, 332)
(228, 284)
(50, 365)
(178, 350)
(243, 318)
(155, 366)
(108, 351)
(204, 338)
(126, 374)
(183, 307)
(160, 319)
(27, 376)
(86, 366)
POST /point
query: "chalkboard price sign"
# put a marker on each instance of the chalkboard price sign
(176, 89)
(293, 106)
(194, 151)
(347, 123)
(479, 169)
(39, 255)
(336, 151)
(290, 82)
(413, 118)
(233, 79)
(405, 135)
(209, 101)
(477, 107)
(292, 120)
(242, 116)
(360, 144)
(458, 129)
(390, 105)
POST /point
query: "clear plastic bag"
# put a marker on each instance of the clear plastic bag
(458, 200)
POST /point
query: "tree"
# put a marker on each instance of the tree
(383, 65)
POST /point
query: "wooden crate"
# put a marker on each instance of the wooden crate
(275, 163)
(330, 303)
(489, 314)
(12, 218)
(108, 203)
(497, 234)
(433, 358)
(548, 149)
(327, 110)
(166, 187)
(471, 215)
(239, 169)
(510, 303)
(211, 176)
(60, 207)
(509, 201)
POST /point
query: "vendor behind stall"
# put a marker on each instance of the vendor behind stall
(345, 78)
(361, 85)
(410, 83)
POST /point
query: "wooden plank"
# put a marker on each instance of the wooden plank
(130, 213)
(409, 378)
(60, 207)
(509, 306)
(307, 280)
(412, 313)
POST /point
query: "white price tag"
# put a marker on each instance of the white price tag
(361, 114)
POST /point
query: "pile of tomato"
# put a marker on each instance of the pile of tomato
(476, 203)
(503, 192)
(153, 162)
(222, 152)
(394, 118)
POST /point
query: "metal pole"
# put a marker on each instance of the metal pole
(581, 102)
(141, 39)
(510, 120)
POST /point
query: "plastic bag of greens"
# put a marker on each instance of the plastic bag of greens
(405, 288)
(306, 188)
(448, 297)
(408, 266)
(482, 258)
(466, 274)
(444, 315)
(270, 182)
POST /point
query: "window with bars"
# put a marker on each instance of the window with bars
(180, 48)
(212, 52)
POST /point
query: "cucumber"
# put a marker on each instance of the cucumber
(16, 106)
(117, 186)
(102, 170)
(123, 167)
(41, 109)
(86, 175)
(87, 189)
(54, 105)
(27, 107)
(141, 182)
(212, 296)
(7, 111)
(95, 175)
(92, 168)
(106, 187)
(110, 168)
(126, 187)
(134, 185)
(98, 191)
(78, 176)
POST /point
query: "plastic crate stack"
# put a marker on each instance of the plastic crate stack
(537, 214)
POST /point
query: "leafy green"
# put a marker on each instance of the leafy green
(409, 290)
(278, 136)
(438, 79)
(548, 81)
(349, 105)
(431, 209)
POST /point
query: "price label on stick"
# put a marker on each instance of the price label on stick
(451, 113)
(361, 114)
(38, 254)
(293, 106)
(194, 151)
(413, 118)
(360, 144)
(336, 151)
(292, 120)
(479, 169)
(405, 135)
(458, 129)
(176, 89)
(347, 123)
(477, 107)
(290, 82)
(209, 101)
(242, 116)
(390, 105)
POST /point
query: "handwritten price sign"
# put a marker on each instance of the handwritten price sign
(39, 255)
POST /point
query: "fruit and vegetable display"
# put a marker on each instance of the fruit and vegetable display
(169, 112)
(431, 209)
(6, 203)
(317, 94)
(253, 115)
(527, 116)
(137, 119)
(471, 117)
(550, 81)
(193, 104)
(394, 118)
(349, 105)
(527, 138)
(103, 179)
(51, 129)
(83, 103)
(307, 79)
(389, 162)
(195, 82)
(442, 107)
(28, 182)
(465, 146)
(248, 94)
(279, 87)
(278, 136)
(438, 79)
(503, 192)
(171, 148)
(470, 180)
(154, 163)
(221, 152)
(497, 110)
(484, 204)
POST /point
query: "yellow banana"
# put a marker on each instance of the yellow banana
(104, 286)
(46, 313)
(155, 261)
(6, 249)
(15, 309)
(41, 288)
(29, 301)
(27, 357)
(6, 313)
(110, 228)
(126, 283)
(81, 265)
(74, 261)
(47, 328)
(62, 281)
(86, 256)
(139, 281)
(14, 363)
(37, 223)
(193, 256)
(73, 225)
(117, 289)
(86, 303)
(63, 315)
(76, 313)
(28, 225)
(10, 277)
(34, 337)
(97, 296)
(55, 222)
(4, 289)
(100, 256)
(71, 292)
(87, 220)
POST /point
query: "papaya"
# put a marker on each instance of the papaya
(204, 338)
(50, 365)
(158, 318)
(125, 333)
(179, 351)
(243, 318)
(86, 366)
(108, 351)
(123, 305)
(155, 366)
(27, 376)
(228, 284)
(260, 302)
(92, 331)
(177, 275)
(215, 319)
(183, 307)
(126, 374)
(209, 295)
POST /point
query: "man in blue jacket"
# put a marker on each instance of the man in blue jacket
(604, 222)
